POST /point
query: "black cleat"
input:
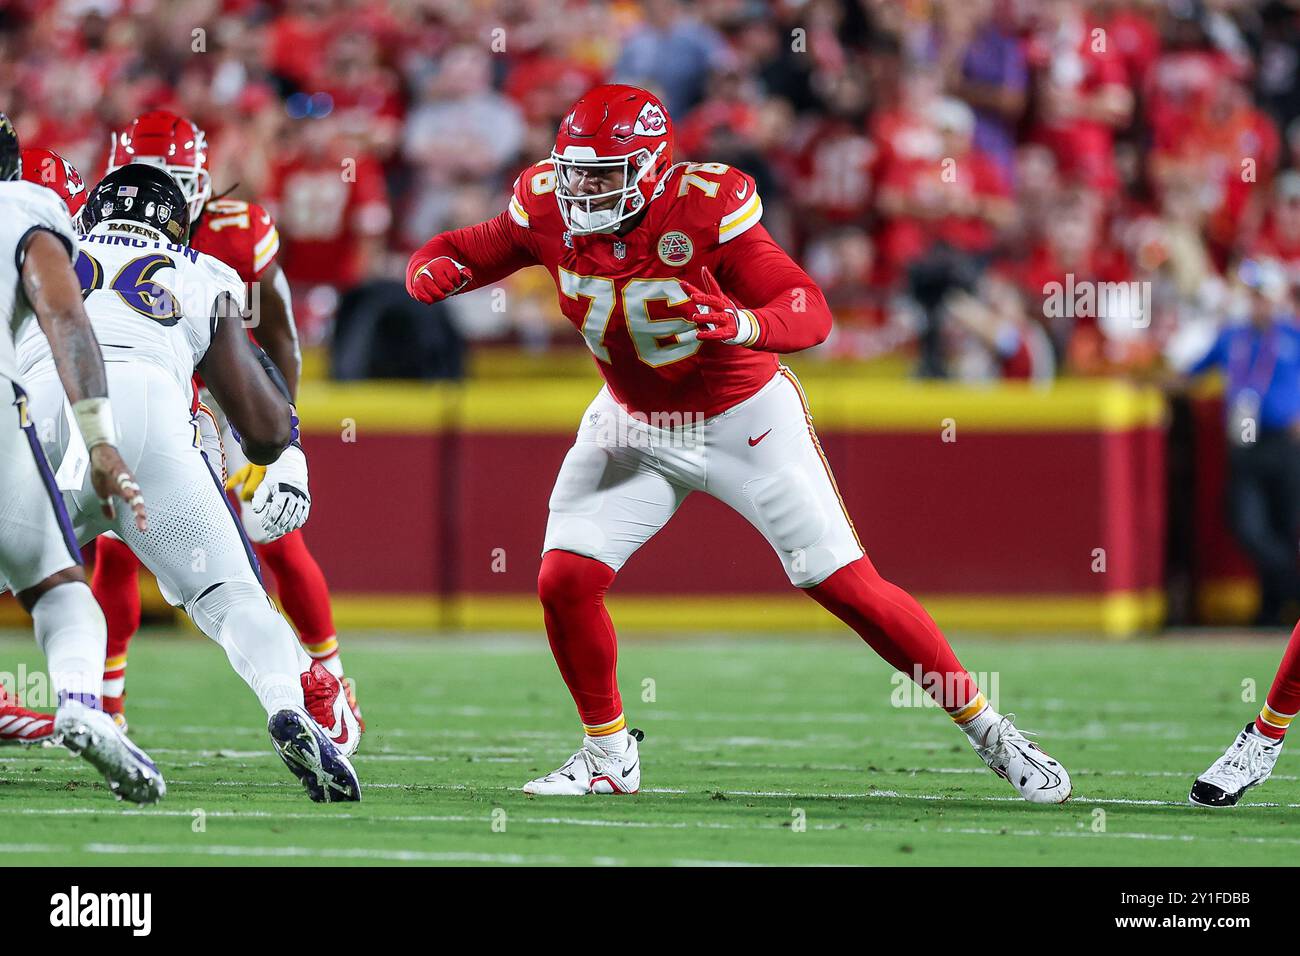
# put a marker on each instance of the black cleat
(312, 757)
(1208, 795)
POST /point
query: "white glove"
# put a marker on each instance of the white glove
(281, 502)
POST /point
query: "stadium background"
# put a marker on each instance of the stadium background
(1042, 486)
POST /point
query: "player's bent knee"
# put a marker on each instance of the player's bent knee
(788, 508)
(66, 605)
(230, 604)
(580, 475)
(566, 579)
(804, 523)
(29, 596)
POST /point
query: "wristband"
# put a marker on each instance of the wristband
(95, 421)
(747, 328)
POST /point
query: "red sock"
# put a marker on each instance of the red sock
(116, 586)
(1283, 701)
(300, 585)
(572, 589)
(899, 630)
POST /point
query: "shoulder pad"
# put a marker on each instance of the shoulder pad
(225, 277)
(535, 185)
(716, 197)
(44, 208)
(742, 208)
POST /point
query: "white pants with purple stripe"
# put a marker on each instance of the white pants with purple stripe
(195, 544)
(36, 538)
(193, 540)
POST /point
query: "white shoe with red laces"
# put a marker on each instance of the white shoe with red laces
(326, 701)
(21, 726)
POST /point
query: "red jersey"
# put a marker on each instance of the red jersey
(240, 234)
(624, 292)
(904, 239)
(325, 216)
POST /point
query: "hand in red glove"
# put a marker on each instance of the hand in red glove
(717, 318)
(437, 279)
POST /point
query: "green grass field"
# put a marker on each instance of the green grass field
(757, 751)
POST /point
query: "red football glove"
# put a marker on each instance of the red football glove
(717, 318)
(437, 279)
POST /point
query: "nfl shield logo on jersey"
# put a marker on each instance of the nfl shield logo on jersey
(675, 248)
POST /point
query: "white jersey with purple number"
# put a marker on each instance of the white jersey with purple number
(149, 300)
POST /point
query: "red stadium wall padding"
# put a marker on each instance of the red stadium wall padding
(377, 521)
(1015, 513)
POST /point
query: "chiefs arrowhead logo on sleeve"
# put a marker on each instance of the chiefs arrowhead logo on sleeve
(651, 121)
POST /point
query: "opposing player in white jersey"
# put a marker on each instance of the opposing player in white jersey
(40, 299)
(161, 311)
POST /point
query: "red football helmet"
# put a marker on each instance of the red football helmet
(161, 138)
(611, 129)
(47, 168)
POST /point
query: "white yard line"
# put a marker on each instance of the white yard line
(335, 853)
(865, 769)
(588, 822)
(675, 791)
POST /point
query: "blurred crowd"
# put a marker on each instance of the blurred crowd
(944, 168)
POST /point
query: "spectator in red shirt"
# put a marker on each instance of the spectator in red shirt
(331, 208)
(956, 195)
(298, 38)
(1083, 99)
(833, 166)
(366, 95)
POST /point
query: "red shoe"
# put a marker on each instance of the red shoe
(18, 725)
(327, 702)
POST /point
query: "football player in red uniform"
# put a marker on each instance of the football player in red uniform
(686, 301)
(242, 235)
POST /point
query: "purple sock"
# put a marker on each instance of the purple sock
(90, 700)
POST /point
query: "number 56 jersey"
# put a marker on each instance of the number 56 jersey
(148, 300)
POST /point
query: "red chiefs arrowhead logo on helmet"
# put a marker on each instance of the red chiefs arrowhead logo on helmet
(651, 121)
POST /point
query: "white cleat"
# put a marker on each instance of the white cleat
(591, 770)
(1036, 776)
(1247, 763)
(127, 769)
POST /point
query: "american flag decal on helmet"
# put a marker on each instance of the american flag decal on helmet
(128, 191)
